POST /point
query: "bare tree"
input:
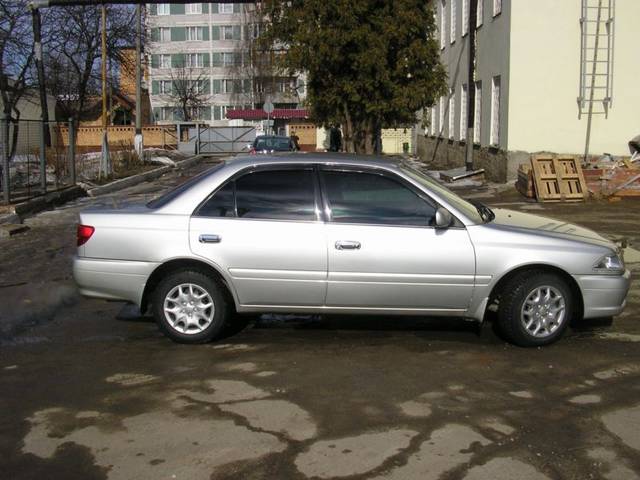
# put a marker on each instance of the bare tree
(188, 92)
(16, 62)
(73, 56)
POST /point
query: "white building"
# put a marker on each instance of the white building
(211, 43)
(533, 79)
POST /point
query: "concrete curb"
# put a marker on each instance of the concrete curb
(128, 181)
(38, 204)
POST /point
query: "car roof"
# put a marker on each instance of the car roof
(346, 159)
(272, 136)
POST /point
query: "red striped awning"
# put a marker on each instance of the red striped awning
(259, 114)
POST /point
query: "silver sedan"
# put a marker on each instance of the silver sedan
(343, 234)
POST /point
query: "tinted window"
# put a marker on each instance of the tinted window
(370, 198)
(272, 143)
(281, 195)
(220, 204)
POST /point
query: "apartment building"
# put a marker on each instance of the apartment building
(534, 81)
(213, 47)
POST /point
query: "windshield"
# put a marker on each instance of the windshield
(162, 200)
(468, 209)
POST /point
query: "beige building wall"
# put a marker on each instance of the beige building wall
(544, 80)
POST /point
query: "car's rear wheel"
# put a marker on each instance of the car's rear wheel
(535, 308)
(190, 307)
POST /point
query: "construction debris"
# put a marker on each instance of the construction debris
(558, 178)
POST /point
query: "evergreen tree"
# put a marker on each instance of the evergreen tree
(370, 64)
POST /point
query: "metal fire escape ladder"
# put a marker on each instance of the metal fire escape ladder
(596, 57)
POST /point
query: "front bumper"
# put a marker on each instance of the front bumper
(604, 295)
(112, 279)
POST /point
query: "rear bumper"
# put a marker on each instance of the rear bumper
(112, 279)
(604, 295)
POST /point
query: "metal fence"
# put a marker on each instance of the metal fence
(33, 159)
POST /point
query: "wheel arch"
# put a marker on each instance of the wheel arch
(540, 267)
(177, 264)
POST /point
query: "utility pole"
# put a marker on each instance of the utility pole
(138, 139)
(471, 84)
(45, 139)
(105, 164)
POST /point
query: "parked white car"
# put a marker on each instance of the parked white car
(343, 234)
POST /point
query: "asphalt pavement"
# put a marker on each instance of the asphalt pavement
(90, 389)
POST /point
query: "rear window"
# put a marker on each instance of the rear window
(273, 143)
(175, 192)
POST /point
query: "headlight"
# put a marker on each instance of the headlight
(610, 263)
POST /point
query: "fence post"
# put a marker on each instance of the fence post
(197, 149)
(4, 147)
(72, 149)
(43, 156)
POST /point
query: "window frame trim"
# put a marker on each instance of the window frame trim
(262, 168)
(375, 171)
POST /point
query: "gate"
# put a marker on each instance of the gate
(204, 139)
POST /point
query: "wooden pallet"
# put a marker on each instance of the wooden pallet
(558, 178)
(524, 184)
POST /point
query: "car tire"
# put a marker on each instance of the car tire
(535, 309)
(190, 307)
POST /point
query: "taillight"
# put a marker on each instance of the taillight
(252, 151)
(84, 234)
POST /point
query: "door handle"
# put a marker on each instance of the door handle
(347, 245)
(208, 238)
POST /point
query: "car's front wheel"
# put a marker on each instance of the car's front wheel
(535, 308)
(190, 307)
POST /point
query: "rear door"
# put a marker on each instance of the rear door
(264, 229)
(384, 252)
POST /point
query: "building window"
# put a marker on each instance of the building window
(477, 117)
(193, 8)
(479, 13)
(465, 17)
(165, 61)
(453, 20)
(441, 116)
(164, 87)
(464, 101)
(434, 117)
(225, 8)
(164, 8)
(164, 34)
(495, 111)
(497, 7)
(452, 114)
(194, 60)
(194, 33)
(443, 29)
(230, 32)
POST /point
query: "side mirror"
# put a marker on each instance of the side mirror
(444, 219)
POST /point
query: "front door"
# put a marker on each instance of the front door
(264, 229)
(383, 252)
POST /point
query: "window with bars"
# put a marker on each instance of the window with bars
(495, 110)
(443, 23)
(464, 101)
(193, 8)
(479, 13)
(194, 33)
(465, 17)
(453, 20)
(497, 7)
(164, 9)
(477, 117)
(452, 114)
